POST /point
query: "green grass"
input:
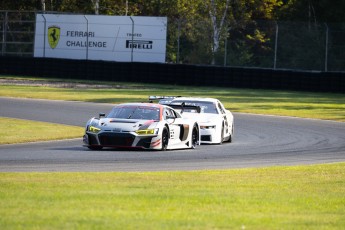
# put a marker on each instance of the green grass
(299, 197)
(19, 131)
(287, 103)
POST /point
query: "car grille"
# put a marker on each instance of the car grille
(116, 139)
(205, 137)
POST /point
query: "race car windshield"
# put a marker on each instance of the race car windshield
(205, 106)
(134, 112)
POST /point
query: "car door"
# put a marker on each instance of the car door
(179, 129)
(174, 129)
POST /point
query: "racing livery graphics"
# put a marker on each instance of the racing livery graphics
(142, 125)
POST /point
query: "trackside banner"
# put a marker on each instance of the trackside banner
(95, 37)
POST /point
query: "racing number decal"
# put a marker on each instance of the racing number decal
(172, 134)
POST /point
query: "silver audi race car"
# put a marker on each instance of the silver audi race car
(216, 122)
(142, 125)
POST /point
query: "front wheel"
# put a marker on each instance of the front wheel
(231, 135)
(221, 135)
(195, 137)
(165, 139)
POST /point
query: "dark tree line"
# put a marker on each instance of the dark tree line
(296, 10)
(238, 32)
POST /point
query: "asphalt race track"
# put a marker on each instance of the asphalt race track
(259, 141)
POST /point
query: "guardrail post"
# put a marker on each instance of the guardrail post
(225, 50)
(276, 47)
(87, 37)
(4, 37)
(132, 37)
(326, 54)
(178, 41)
(45, 35)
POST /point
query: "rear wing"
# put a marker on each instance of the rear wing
(186, 108)
(166, 100)
(163, 100)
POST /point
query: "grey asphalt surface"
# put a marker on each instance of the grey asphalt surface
(259, 141)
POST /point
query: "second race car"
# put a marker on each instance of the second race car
(216, 122)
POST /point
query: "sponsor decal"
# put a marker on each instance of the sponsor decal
(53, 36)
(86, 44)
(100, 37)
(71, 35)
(139, 44)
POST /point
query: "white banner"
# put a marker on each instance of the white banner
(96, 37)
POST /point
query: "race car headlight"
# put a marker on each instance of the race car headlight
(147, 131)
(94, 129)
(207, 127)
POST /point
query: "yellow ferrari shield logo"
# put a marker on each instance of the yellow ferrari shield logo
(53, 36)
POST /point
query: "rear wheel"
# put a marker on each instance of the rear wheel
(165, 139)
(195, 137)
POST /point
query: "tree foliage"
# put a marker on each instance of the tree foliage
(205, 27)
(312, 10)
(239, 10)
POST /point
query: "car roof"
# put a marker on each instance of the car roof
(195, 99)
(152, 105)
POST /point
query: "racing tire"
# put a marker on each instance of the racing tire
(222, 136)
(195, 137)
(229, 139)
(231, 135)
(95, 147)
(165, 139)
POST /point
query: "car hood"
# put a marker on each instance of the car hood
(126, 125)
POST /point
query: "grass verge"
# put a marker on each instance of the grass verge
(299, 197)
(14, 131)
(326, 106)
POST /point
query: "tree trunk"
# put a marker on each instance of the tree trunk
(217, 28)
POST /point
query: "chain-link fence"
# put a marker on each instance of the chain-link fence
(17, 32)
(264, 44)
(308, 46)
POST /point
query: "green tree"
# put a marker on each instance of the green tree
(250, 33)
(20, 5)
(312, 11)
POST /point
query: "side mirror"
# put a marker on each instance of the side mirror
(101, 115)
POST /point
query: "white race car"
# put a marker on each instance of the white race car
(216, 122)
(142, 125)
